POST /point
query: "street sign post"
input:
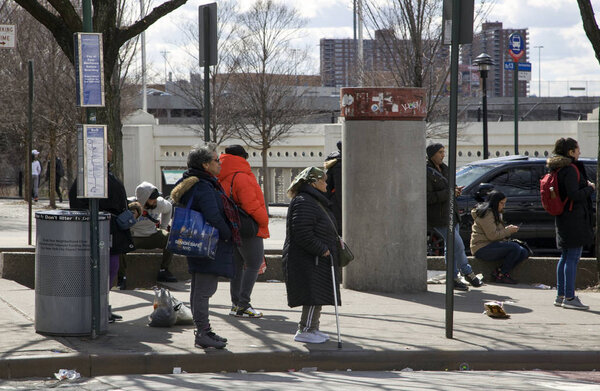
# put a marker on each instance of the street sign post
(516, 46)
(8, 36)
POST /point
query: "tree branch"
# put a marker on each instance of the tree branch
(148, 20)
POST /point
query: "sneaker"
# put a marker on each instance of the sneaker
(321, 334)
(309, 337)
(574, 304)
(473, 280)
(248, 312)
(505, 279)
(559, 301)
(164, 275)
(203, 340)
(112, 317)
(459, 285)
(213, 335)
(234, 310)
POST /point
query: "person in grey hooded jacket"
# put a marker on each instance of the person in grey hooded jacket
(152, 227)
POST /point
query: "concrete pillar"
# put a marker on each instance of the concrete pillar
(384, 189)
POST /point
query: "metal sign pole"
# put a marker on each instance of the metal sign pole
(206, 18)
(30, 148)
(94, 206)
(452, 166)
(516, 92)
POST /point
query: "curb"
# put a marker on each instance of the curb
(211, 361)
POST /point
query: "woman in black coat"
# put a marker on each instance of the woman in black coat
(310, 245)
(574, 226)
(200, 186)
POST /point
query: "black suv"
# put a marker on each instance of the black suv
(518, 177)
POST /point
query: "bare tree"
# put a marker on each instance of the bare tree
(54, 116)
(192, 91)
(408, 41)
(63, 19)
(269, 103)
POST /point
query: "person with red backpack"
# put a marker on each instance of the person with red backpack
(574, 227)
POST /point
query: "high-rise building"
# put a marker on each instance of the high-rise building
(493, 40)
(339, 62)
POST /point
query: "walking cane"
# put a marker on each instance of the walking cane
(335, 301)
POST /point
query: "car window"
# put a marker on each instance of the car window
(518, 181)
(470, 173)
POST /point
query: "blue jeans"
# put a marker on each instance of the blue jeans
(460, 258)
(566, 270)
(510, 253)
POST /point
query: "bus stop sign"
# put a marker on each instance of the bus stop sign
(516, 46)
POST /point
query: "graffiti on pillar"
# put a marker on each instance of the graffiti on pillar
(383, 104)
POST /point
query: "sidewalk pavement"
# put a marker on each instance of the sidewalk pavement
(379, 332)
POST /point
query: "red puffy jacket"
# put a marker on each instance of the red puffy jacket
(246, 191)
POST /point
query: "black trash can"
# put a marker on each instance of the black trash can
(63, 294)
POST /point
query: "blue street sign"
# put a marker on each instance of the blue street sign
(523, 66)
(515, 44)
(89, 69)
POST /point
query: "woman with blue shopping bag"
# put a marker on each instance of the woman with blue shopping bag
(200, 190)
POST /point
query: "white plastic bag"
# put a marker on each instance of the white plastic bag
(163, 315)
(183, 313)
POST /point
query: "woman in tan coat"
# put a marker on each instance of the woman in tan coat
(489, 238)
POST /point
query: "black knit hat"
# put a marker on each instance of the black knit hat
(432, 149)
(236, 150)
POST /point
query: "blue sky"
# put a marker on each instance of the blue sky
(556, 25)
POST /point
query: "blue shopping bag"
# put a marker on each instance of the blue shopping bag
(191, 234)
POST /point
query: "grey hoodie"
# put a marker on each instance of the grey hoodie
(145, 226)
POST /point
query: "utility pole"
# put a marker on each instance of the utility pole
(539, 48)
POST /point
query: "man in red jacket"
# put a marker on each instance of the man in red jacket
(239, 183)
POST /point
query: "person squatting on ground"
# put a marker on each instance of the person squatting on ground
(36, 171)
(152, 226)
(489, 238)
(116, 203)
(437, 213)
(574, 227)
(333, 169)
(200, 182)
(239, 182)
(310, 242)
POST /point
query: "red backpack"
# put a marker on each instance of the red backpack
(549, 192)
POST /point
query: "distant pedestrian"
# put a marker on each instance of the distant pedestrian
(574, 227)
(200, 185)
(36, 171)
(241, 185)
(60, 173)
(438, 204)
(489, 238)
(333, 169)
(309, 248)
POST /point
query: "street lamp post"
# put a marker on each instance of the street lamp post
(539, 48)
(484, 63)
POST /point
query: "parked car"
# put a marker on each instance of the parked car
(518, 177)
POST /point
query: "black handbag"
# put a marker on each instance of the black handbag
(524, 245)
(248, 226)
(345, 255)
